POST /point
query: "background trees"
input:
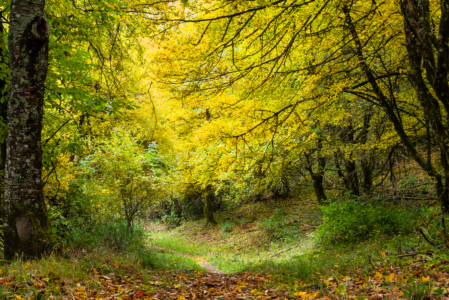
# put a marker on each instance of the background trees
(358, 87)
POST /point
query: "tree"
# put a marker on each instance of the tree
(124, 175)
(324, 51)
(27, 230)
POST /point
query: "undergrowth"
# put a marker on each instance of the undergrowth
(352, 221)
(305, 242)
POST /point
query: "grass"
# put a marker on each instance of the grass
(163, 260)
(82, 265)
(245, 246)
(242, 243)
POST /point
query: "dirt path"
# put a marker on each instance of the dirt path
(201, 261)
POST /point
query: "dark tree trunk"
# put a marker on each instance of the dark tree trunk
(3, 110)
(339, 171)
(352, 177)
(318, 176)
(208, 206)
(367, 174)
(366, 162)
(27, 229)
(319, 188)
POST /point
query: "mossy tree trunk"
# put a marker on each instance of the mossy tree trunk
(27, 230)
(208, 206)
(3, 108)
(352, 176)
(366, 164)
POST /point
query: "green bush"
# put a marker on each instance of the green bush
(227, 226)
(113, 233)
(352, 220)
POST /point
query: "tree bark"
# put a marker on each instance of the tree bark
(27, 229)
(366, 165)
(352, 177)
(208, 206)
(318, 176)
(366, 162)
(3, 110)
(319, 188)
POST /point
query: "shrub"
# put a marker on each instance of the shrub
(227, 226)
(112, 233)
(122, 176)
(352, 220)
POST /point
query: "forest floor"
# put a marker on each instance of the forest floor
(291, 261)
(244, 257)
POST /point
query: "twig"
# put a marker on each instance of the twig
(310, 226)
(275, 254)
(425, 237)
(414, 254)
(444, 228)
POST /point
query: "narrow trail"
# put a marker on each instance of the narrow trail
(201, 260)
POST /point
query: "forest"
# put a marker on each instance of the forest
(224, 149)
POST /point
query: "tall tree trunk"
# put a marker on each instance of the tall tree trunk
(317, 177)
(27, 229)
(352, 177)
(208, 206)
(366, 162)
(319, 188)
(3, 109)
(367, 173)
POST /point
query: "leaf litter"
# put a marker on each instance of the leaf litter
(419, 276)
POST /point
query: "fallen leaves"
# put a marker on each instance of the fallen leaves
(379, 282)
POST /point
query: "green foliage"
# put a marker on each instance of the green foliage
(122, 176)
(351, 221)
(171, 220)
(112, 233)
(278, 225)
(227, 226)
(418, 291)
(73, 209)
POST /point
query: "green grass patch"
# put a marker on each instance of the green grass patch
(165, 260)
